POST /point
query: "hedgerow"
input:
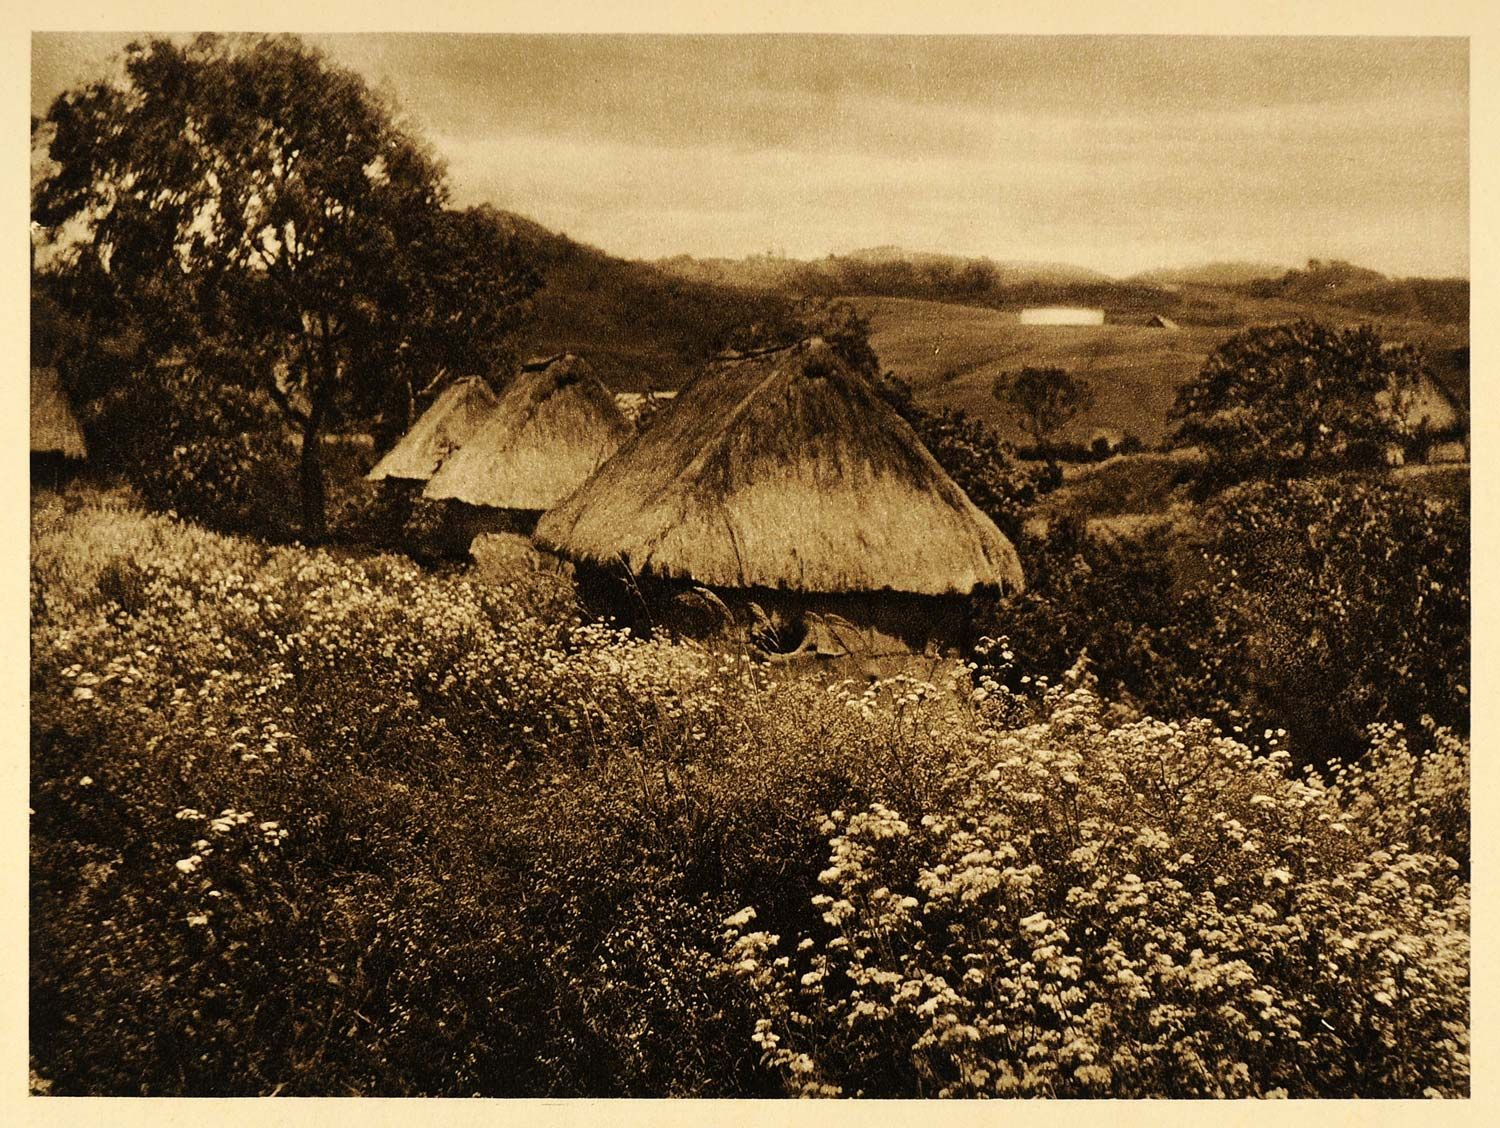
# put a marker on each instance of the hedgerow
(317, 823)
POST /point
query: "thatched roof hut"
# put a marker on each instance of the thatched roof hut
(442, 429)
(552, 427)
(54, 427)
(783, 470)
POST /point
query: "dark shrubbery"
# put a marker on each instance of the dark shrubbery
(1344, 602)
(210, 450)
(1319, 606)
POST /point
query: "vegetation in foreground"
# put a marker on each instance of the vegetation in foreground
(326, 822)
(310, 825)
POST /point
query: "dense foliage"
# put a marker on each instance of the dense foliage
(303, 824)
(1299, 397)
(245, 196)
(1317, 606)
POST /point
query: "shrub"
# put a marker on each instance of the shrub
(1147, 910)
(1319, 607)
(1342, 603)
(1287, 398)
(310, 824)
(206, 449)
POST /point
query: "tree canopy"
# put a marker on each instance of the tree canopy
(1044, 400)
(244, 193)
(1290, 397)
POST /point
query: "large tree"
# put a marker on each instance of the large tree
(244, 193)
(1291, 397)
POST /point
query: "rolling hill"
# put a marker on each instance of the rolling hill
(639, 326)
(951, 354)
(650, 325)
(1210, 274)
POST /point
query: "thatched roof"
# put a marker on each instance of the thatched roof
(54, 427)
(783, 469)
(444, 427)
(550, 430)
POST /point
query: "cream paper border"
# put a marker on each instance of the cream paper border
(1479, 20)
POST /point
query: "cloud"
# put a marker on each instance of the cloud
(1117, 153)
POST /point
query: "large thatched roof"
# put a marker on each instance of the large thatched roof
(550, 430)
(784, 469)
(54, 427)
(443, 428)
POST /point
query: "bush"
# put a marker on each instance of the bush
(309, 825)
(1343, 603)
(206, 449)
(1288, 399)
(1147, 910)
(1319, 607)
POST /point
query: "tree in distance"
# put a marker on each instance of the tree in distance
(1043, 401)
(250, 198)
(1288, 398)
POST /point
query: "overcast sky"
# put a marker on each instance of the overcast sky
(1114, 153)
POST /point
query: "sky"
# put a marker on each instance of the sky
(1116, 153)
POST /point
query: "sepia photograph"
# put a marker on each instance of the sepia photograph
(749, 565)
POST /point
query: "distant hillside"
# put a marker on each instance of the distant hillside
(1441, 301)
(893, 271)
(951, 353)
(1010, 273)
(1211, 274)
(639, 326)
(650, 325)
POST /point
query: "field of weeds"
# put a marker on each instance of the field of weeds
(310, 825)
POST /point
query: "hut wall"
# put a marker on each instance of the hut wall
(822, 626)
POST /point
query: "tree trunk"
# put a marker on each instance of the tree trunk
(314, 493)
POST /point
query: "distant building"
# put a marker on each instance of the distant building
(1159, 322)
(1061, 315)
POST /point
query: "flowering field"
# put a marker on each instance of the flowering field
(318, 825)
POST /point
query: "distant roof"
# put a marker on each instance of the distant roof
(442, 429)
(54, 427)
(1061, 315)
(1160, 322)
(784, 469)
(551, 428)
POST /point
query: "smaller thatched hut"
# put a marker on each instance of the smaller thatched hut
(551, 428)
(57, 446)
(54, 427)
(443, 428)
(783, 485)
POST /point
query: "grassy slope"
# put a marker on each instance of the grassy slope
(952, 353)
(639, 326)
(648, 325)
